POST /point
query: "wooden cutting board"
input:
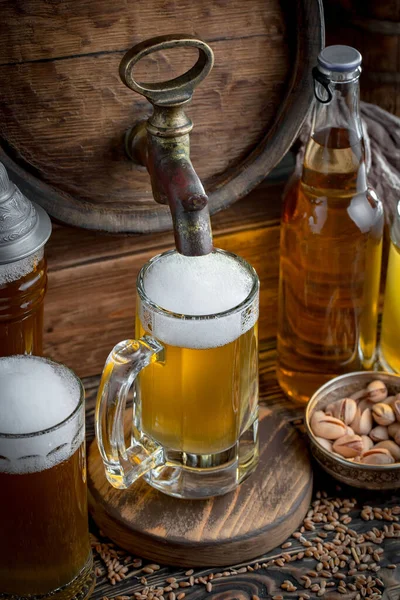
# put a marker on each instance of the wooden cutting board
(226, 530)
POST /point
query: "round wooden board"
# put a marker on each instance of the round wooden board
(225, 530)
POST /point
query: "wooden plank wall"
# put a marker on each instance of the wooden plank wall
(90, 303)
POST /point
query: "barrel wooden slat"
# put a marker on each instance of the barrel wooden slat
(64, 111)
(77, 28)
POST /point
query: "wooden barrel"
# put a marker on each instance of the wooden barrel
(64, 111)
(373, 27)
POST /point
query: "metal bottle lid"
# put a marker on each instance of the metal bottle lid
(24, 226)
(339, 58)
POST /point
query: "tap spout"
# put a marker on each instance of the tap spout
(162, 143)
(163, 146)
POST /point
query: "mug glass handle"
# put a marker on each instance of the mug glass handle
(125, 464)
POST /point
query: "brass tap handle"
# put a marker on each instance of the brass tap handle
(162, 142)
(175, 91)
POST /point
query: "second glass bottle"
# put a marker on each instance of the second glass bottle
(331, 241)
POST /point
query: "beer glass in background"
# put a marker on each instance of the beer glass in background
(195, 369)
(45, 550)
(22, 290)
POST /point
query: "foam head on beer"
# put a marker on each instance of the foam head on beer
(36, 395)
(198, 286)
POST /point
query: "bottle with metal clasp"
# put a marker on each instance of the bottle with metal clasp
(331, 241)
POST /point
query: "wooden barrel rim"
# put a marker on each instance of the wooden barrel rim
(231, 185)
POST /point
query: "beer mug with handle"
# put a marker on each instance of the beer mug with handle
(194, 370)
(45, 549)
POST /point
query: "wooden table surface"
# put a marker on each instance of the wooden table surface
(263, 577)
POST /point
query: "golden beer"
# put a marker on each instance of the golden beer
(22, 290)
(195, 371)
(31, 560)
(199, 400)
(389, 353)
(45, 550)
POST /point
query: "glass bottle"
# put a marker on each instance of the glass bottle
(389, 348)
(24, 229)
(331, 241)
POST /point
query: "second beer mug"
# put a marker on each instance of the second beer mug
(195, 370)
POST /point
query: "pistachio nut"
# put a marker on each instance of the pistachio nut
(362, 422)
(390, 399)
(349, 430)
(377, 391)
(394, 431)
(348, 446)
(379, 433)
(326, 426)
(367, 443)
(365, 403)
(383, 414)
(377, 456)
(329, 409)
(359, 395)
(324, 443)
(393, 448)
(396, 408)
(344, 409)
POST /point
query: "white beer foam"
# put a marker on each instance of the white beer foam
(15, 270)
(202, 286)
(36, 395)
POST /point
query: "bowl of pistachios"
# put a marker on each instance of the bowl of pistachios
(353, 423)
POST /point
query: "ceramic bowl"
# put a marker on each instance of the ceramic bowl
(372, 477)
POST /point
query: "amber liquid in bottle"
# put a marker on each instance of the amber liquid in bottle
(21, 308)
(389, 351)
(331, 245)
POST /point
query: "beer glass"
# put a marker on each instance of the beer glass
(22, 290)
(194, 369)
(45, 550)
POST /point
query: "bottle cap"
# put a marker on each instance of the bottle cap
(339, 58)
(24, 226)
